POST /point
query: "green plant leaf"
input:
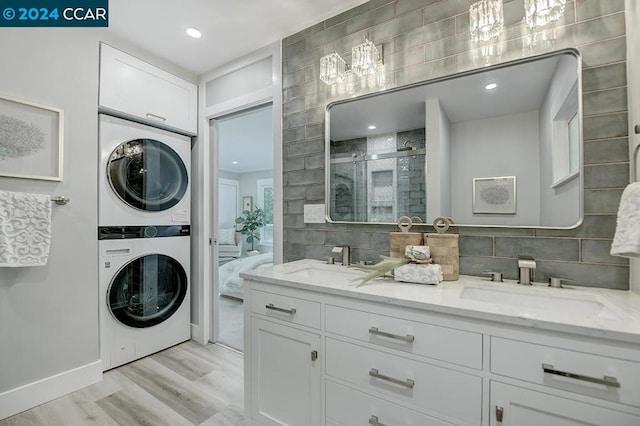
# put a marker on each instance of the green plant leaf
(380, 269)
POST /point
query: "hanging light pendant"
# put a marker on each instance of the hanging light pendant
(333, 69)
(365, 58)
(539, 13)
(486, 20)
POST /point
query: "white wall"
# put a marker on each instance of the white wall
(49, 315)
(248, 183)
(438, 144)
(558, 206)
(492, 147)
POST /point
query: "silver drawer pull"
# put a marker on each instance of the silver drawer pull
(408, 338)
(606, 380)
(406, 383)
(291, 311)
(373, 420)
(158, 117)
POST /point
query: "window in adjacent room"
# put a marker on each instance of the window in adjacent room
(265, 201)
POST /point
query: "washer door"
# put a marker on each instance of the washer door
(147, 290)
(147, 175)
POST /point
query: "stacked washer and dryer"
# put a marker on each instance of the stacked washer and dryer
(144, 216)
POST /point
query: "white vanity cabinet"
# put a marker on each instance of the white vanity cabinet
(285, 380)
(578, 381)
(517, 406)
(384, 360)
(140, 91)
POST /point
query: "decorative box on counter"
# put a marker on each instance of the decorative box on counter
(399, 240)
(445, 252)
(419, 273)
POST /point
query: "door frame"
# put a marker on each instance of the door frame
(204, 258)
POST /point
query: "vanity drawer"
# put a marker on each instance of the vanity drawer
(442, 343)
(569, 370)
(346, 406)
(440, 390)
(286, 308)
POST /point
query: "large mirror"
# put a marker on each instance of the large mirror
(499, 146)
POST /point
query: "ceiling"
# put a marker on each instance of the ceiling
(521, 88)
(230, 29)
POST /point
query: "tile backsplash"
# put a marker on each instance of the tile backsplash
(425, 39)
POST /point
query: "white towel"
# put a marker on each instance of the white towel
(25, 229)
(626, 242)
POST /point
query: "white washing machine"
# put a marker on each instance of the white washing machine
(144, 291)
(144, 175)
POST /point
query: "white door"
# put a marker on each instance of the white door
(227, 203)
(515, 406)
(286, 375)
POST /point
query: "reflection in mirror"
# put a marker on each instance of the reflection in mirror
(500, 146)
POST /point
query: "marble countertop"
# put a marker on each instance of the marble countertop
(595, 312)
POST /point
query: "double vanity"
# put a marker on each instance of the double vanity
(319, 350)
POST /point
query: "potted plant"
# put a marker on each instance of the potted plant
(251, 222)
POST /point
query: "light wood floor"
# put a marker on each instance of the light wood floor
(188, 384)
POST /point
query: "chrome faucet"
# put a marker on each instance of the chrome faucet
(346, 254)
(526, 266)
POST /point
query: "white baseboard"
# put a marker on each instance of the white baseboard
(28, 396)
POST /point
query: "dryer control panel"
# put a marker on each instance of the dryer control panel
(127, 232)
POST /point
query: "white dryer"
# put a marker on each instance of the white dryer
(144, 175)
(144, 291)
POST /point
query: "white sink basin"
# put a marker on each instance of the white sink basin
(325, 274)
(538, 302)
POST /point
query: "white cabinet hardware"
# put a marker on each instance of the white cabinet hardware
(408, 383)
(272, 307)
(373, 421)
(408, 338)
(606, 380)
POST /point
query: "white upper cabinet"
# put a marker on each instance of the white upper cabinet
(134, 89)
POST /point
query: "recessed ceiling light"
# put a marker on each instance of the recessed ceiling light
(490, 86)
(372, 127)
(234, 162)
(192, 32)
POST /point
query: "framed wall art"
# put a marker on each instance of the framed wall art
(31, 140)
(494, 195)
(247, 203)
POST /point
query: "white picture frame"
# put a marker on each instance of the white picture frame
(494, 195)
(247, 203)
(31, 140)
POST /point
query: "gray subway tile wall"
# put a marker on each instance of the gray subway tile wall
(425, 39)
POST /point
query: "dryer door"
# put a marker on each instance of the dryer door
(147, 290)
(147, 175)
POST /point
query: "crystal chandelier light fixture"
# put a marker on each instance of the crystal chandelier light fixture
(333, 69)
(486, 20)
(365, 58)
(539, 13)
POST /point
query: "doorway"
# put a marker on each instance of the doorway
(244, 160)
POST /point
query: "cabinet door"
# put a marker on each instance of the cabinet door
(140, 90)
(286, 377)
(522, 407)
